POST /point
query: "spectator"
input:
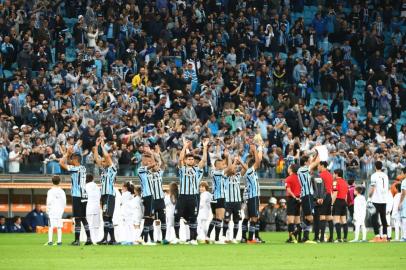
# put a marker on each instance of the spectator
(16, 227)
(268, 216)
(3, 226)
(36, 218)
(15, 158)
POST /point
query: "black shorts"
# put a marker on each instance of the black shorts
(233, 209)
(79, 207)
(108, 205)
(148, 203)
(159, 204)
(340, 208)
(293, 207)
(187, 207)
(221, 202)
(307, 205)
(325, 208)
(253, 207)
(213, 207)
(160, 210)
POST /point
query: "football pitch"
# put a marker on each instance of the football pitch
(26, 251)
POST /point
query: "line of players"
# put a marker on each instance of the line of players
(227, 204)
(325, 197)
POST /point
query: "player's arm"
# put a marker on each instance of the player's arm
(63, 162)
(159, 158)
(315, 162)
(372, 188)
(106, 155)
(203, 162)
(231, 167)
(182, 154)
(96, 156)
(243, 166)
(258, 156)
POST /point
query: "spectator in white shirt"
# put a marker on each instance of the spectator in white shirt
(15, 159)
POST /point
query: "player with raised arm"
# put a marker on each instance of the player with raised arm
(107, 179)
(147, 198)
(190, 176)
(232, 189)
(71, 162)
(252, 186)
(306, 195)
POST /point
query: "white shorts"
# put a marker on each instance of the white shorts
(93, 220)
(56, 222)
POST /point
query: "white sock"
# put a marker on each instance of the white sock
(380, 231)
(364, 232)
(404, 228)
(389, 231)
(59, 231)
(356, 233)
(397, 229)
(50, 233)
(137, 234)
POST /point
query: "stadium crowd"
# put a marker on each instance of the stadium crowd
(150, 71)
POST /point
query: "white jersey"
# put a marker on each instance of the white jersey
(128, 208)
(395, 206)
(360, 208)
(204, 206)
(170, 209)
(93, 201)
(56, 202)
(380, 181)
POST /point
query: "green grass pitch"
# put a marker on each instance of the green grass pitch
(26, 251)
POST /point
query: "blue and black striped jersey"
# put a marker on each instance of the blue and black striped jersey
(107, 179)
(146, 187)
(232, 188)
(155, 179)
(190, 178)
(78, 181)
(305, 181)
(218, 183)
(252, 183)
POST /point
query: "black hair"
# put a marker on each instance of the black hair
(303, 160)
(339, 172)
(189, 155)
(15, 219)
(89, 178)
(293, 168)
(324, 164)
(378, 165)
(56, 179)
(129, 186)
(351, 181)
(137, 189)
(359, 189)
(404, 170)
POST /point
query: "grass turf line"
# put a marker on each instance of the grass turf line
(26, 251)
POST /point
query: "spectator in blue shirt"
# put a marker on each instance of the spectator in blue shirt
(36, 218)
(213, 125)
(319, 24)
(16, 227)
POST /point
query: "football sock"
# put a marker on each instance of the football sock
(322, 229)
(257, 230)
(251, 231)
(218, 229)
(211, 227)
(298, 232)
(163, 230)
(235, 229)
(59, 233)
(338, 230)
(50, 233)
(345, 230)
(177, 227)
(86, 225)
(331, 229)
(77, 229)
(244, 228)
(225, 228)
(105, 228)
(111, 230)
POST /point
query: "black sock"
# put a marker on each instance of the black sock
(235, 229)
(322, 229)
(338, 230)
(145, 230)
(225, 228)
(193, 230)
(345, 230)
(105, 228)
(298, 232)
(251, 230)
(151, 230)
(87, 230)
(257, 230)
(244, 229)
(218, 229)
(177, 227)
(77, 229)
(331, 229)
(111, 230)
(211, 227)
(291, 230)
